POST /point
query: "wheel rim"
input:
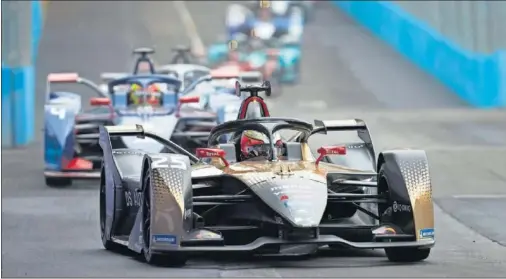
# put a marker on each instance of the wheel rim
(146, 214)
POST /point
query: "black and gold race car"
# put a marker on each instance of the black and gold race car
(169, 206)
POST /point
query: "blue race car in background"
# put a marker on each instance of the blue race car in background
(71, 148)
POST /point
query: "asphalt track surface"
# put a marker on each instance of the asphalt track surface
(346, 73)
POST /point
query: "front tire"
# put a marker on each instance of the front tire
(58, 182)
(171, 259)
(407, 255)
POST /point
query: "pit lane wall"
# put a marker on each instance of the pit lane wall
(22, 24)
(477, 78)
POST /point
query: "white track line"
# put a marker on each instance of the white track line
(197, 45)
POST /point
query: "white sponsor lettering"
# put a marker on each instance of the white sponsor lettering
(133, 200)
(163, 162)
(397, 207)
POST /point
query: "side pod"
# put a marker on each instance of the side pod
(405, 175)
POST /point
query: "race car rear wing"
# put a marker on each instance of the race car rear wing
(106, 132)
(325, 126)
(71, 78)
(248, 78)
(253, 89)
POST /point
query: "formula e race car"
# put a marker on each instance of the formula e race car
(168, 206)
(71, 148)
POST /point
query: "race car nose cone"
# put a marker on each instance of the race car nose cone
(301, 202)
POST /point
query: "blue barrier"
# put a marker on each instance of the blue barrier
(37, 22)
(18, 92)
(476, 78)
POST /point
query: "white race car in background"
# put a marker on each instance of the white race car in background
(217, 92)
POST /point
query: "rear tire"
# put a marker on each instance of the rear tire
(58, 182)
(406, 255)
(169, 259)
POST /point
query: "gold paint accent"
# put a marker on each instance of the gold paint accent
(168, 182)
(415, 171)
(307, 155)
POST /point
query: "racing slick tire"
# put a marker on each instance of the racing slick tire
(397, 254)
(406, 255)
(106, 242)
(169, 259)
(58, 182)
(275, 84)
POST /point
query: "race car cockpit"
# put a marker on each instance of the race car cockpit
(260, 139)
(144, 90)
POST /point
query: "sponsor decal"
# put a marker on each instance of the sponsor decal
(399, 207)
(133, 199)
(427, 233)
(165, 238)
(284, 200)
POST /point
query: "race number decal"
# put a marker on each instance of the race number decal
(57, 111)
(168, 162)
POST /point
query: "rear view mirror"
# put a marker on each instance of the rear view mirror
(212, 153)
(100, 101)
(188, 100)
(330, 150)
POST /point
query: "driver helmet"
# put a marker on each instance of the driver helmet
(154, 94)
(134, 97)
(253, 144)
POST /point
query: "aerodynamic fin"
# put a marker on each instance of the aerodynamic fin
(253, 106)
